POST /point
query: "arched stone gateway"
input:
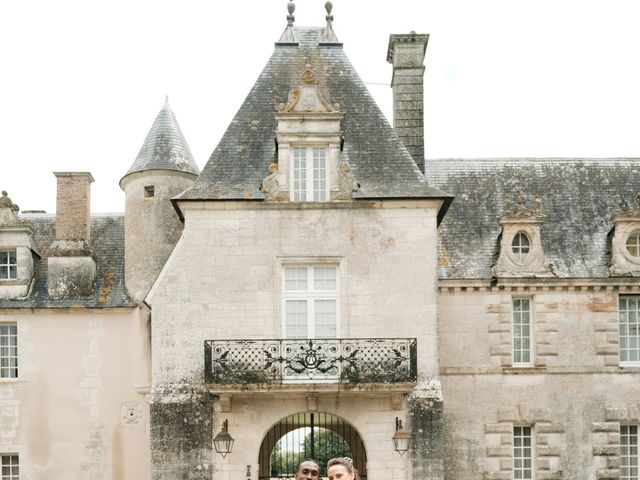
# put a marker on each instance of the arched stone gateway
(314, 435)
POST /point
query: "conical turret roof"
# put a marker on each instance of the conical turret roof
(165, 147)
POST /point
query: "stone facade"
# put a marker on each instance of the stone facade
(503, 336)
(63, 414)
(570, 395)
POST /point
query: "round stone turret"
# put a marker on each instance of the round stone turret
(163, 168)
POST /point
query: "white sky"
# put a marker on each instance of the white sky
(81, 81)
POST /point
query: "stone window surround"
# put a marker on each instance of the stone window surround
(5, 261)
(605, 437)
(543, 332)
(547, 437)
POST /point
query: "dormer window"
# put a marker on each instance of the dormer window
(310, 174)
(521, 252)
(520, 246)
(309, 167)
(8, 265)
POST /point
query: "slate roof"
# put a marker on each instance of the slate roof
(165, 147)
(379, 161)
(579, 197)
(107, 241)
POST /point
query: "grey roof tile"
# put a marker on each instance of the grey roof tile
(107, 241)
(379, 161)
(578, 195)
(165, 147)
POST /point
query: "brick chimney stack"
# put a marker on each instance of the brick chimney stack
(73, 210)
(406, 54)
(71, 264)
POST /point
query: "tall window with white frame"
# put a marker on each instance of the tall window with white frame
(310, 183)
(8, 265)
(8, 350)
(523, 452)
(522, 338)
(310, 301)
(629, 452)
(629, 330)
(10, 466)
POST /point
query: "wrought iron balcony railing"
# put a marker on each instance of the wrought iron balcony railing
(320, 360)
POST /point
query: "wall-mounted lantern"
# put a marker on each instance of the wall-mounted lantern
(402, 439)
(223, 442)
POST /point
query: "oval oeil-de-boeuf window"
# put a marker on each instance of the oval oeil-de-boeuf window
(633, 244)
(520, 246)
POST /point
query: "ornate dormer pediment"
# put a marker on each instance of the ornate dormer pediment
(308, 96)
(521, 252)
(520, 212)
(9, 213)
(625, 243)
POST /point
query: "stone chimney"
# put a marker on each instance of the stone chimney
(406, 54)
(71, 263)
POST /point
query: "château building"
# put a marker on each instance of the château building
(320, 274)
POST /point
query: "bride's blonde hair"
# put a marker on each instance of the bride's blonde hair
(347, 463)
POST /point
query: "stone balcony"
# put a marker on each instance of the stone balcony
(322, 364)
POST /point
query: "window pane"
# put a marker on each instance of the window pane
(521, 331)
(295, 279)
(629, 329)
(325, 318)
(628, 452)
(319, 174)
(296, 318)
(324, 278)
(299, 174)
(522, 457)
(8, 351)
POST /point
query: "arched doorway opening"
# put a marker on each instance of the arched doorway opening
(320, 436)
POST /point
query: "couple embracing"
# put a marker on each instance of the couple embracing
(340, 468)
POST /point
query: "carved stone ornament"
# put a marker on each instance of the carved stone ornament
(625, 243)
(131, 413)
(347, 184)
(521, 252)
(271, 186)
(307, 96)
(9, 212)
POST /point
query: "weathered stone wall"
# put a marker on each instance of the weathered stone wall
(78, 408)
(152, 226)
(181, 437)
(575, 395)
(222, 281)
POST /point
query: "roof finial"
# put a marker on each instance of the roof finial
(328, 36)
(166, 100)
(288, 36)
(291, 7)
